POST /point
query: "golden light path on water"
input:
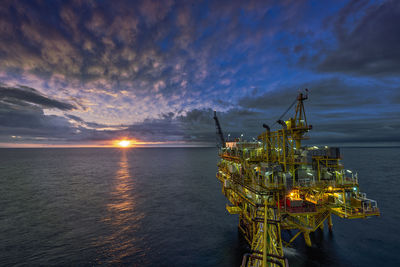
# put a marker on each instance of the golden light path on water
(123, 218)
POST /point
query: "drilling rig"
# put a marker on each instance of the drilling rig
(275, 183)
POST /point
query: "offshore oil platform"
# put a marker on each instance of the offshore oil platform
(274, 183)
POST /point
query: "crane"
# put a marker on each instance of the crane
(220, 135)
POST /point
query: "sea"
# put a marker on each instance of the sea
(164, 207)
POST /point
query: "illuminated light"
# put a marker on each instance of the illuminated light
(348, 171)
(310, 174)
(291, 194)
(330, 188)
(355, 188)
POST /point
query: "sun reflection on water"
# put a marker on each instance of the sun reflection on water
(123, 219)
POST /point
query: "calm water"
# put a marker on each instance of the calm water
(164, 207)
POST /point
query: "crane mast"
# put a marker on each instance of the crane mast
(220, 135)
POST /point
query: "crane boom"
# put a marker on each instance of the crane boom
(219, 130)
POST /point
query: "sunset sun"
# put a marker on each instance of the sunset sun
(124, 143)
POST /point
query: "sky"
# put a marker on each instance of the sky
(83, 73)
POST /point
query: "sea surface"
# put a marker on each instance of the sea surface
(164, 207)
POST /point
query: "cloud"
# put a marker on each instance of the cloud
(22, 95)
(22, 114)
(341, 110)
(155, 70)
(328, 93)
(367, 44)
(333, 123)
(172, 48)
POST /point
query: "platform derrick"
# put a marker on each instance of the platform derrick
(275, 183)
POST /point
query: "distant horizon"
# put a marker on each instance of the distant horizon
(101, 146)
(376, 145)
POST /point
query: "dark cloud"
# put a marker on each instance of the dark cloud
(341, 111)
(22, 95)
(22, 115)
(157, 129)
(92, 125)
(367, 43)
(332, 93)
(30, 122)
(363, 130)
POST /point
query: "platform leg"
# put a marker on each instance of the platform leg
(266, 236)
(330, 224)
(307, 238)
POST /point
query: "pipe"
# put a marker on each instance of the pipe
(245, 260)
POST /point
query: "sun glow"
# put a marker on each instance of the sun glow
(126, 142)
(123, 143)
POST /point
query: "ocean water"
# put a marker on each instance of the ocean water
(164, 207)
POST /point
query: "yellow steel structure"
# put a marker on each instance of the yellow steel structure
(275, 183)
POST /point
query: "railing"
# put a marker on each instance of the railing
(301, 209)
(320, 218)
(367, 209)
(350, 180)
(297, 221)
